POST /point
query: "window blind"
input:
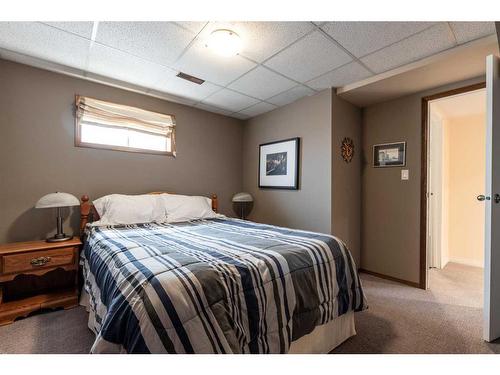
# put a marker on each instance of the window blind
(102, 114)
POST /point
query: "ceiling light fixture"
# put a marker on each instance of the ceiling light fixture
(224, 42)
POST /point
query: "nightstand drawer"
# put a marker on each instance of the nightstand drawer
(37, 259)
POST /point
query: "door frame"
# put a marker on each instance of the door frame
(424, 170)
(435, 204)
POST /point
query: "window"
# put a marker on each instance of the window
(101, 124)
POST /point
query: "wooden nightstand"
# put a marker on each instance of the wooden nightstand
(38, 258)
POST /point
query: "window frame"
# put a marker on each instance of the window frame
(80, 143)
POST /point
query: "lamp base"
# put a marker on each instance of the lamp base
(59, 238)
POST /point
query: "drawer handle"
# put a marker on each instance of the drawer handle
(37, 262)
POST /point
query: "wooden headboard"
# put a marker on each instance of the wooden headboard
(88, 213)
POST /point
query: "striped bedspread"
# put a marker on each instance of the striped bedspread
(213, 286)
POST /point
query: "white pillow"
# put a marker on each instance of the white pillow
(100, 204)
(118, 209)
(185, 208)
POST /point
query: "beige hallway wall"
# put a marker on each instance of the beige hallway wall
(465, 141)
(445, 213)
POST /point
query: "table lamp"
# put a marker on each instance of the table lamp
(242, 204)
(58, 200)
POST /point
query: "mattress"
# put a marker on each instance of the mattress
(218, 286)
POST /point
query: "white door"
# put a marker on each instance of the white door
(492, 201)
(435, 187)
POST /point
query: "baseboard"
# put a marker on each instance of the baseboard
(391, 278)
(466, 262)
(444, 262)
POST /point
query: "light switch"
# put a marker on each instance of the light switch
(405, 174)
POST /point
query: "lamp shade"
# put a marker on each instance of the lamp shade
(57, 199)
(242, 197)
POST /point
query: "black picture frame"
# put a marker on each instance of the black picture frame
(295, 161)
(399, 162)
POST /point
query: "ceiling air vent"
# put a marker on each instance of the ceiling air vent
(187, 77)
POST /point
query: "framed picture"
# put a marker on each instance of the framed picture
(279, 164)
(389, 155)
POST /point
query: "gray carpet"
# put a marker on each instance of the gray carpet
(54, 332)
(445, 319)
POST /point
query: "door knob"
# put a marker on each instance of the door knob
(482, 198)
(496, 198)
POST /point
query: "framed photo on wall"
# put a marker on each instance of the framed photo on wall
(389, 155)
(279, 164)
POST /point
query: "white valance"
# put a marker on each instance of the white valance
(104, 113)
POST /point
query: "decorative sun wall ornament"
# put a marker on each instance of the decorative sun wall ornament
(347, 149)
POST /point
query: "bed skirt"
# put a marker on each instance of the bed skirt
(322, 340)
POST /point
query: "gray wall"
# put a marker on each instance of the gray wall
(346, 177)
(38, 156)
(309, 207)
(390, 207)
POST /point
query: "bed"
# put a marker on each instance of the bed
(218, 285)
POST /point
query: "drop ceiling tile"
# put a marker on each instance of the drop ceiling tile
(261, 83)
(174, 85)
(115, 82)
(161, 42)
(257, 109)
(172, 98)
(230, 100)
(44, 42)
(339, 77)
(436, 39)
(193, 26)
(201, 62)
(79, 28)
(467, 31)
(362, 38)
(213, 109)
(122, 66)
(309, 57)
(261, 40)
(291, 95)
